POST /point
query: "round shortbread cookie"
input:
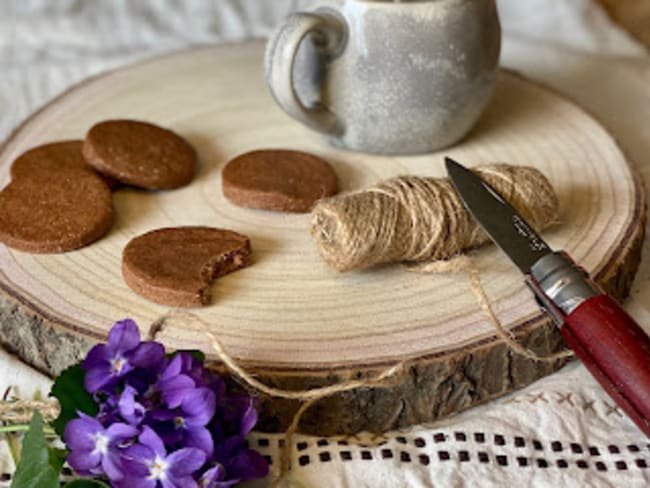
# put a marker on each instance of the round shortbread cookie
(280, 180)
(55, 211)
(175, 266)
(140, 154)
(53, 157)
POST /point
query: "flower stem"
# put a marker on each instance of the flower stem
(10, 429)
(14, 450)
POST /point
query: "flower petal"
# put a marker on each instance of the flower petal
(175, 389)
(248, 465)
(124, 336)
(163, 414)
(173, 368)
(148, 355)
(227, 448)
(80, 433)
(184, 482)
(217, 385)
(215, 473)
(150, 439)
(119, 432)
(97, 355)
(134, 481)
(200, 438)
(173, 437)
(225, 484)
(132, 411)
(215, 478)
(134, 460)
(112, 465)
(249, 419)
(83, 461)
(199, 405)
(97, 377)
(185, 461)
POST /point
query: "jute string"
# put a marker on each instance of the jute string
(414, 219)
(381, 379)
(21, 411)
(464, 264)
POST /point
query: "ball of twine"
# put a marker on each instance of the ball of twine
(414, 219)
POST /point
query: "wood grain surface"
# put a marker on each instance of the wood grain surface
(289, 318)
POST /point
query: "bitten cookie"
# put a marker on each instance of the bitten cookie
(140, 154)
(52, 157)
(175, 266)
(53, 212)
(285, 181)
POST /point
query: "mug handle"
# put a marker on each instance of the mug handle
(329, 33)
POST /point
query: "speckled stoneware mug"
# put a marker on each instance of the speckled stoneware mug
(391, 77)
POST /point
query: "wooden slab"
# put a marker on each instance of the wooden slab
(631, 15)
(288, 317)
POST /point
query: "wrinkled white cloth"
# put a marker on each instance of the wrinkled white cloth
(561, 431)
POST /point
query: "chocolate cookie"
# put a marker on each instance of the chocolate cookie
(53, 157)
(140, 154)
(285, 181)
(52, 212)
(175, 266)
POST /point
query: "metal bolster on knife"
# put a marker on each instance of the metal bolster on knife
(560, 285)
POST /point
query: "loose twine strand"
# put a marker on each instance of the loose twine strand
(309, 397)
(464, 264)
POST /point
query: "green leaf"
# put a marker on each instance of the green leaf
(57, 458)
(86, 483)
(69, 389)
(34, 469)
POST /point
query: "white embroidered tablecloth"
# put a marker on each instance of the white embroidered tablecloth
(561, 431)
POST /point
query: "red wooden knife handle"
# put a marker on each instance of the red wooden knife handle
(616, 351)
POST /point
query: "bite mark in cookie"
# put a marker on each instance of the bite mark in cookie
(175, 266)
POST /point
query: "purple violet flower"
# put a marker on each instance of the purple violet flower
(129, 408)
(240, 463)
(147, 465)
(193, 368)
(214, 478)
(186, 426)
(248, 419)
(151, 405)
(105, 364)
(94, 450)
(173, 385)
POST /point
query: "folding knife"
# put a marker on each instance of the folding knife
(613, 347)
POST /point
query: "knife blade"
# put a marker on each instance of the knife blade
(613, 347)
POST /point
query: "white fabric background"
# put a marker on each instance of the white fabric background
(46, 45)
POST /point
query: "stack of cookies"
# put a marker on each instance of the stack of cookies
(59, 198)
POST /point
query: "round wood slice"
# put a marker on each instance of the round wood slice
(288, 317)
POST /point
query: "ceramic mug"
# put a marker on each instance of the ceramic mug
(391, 77)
